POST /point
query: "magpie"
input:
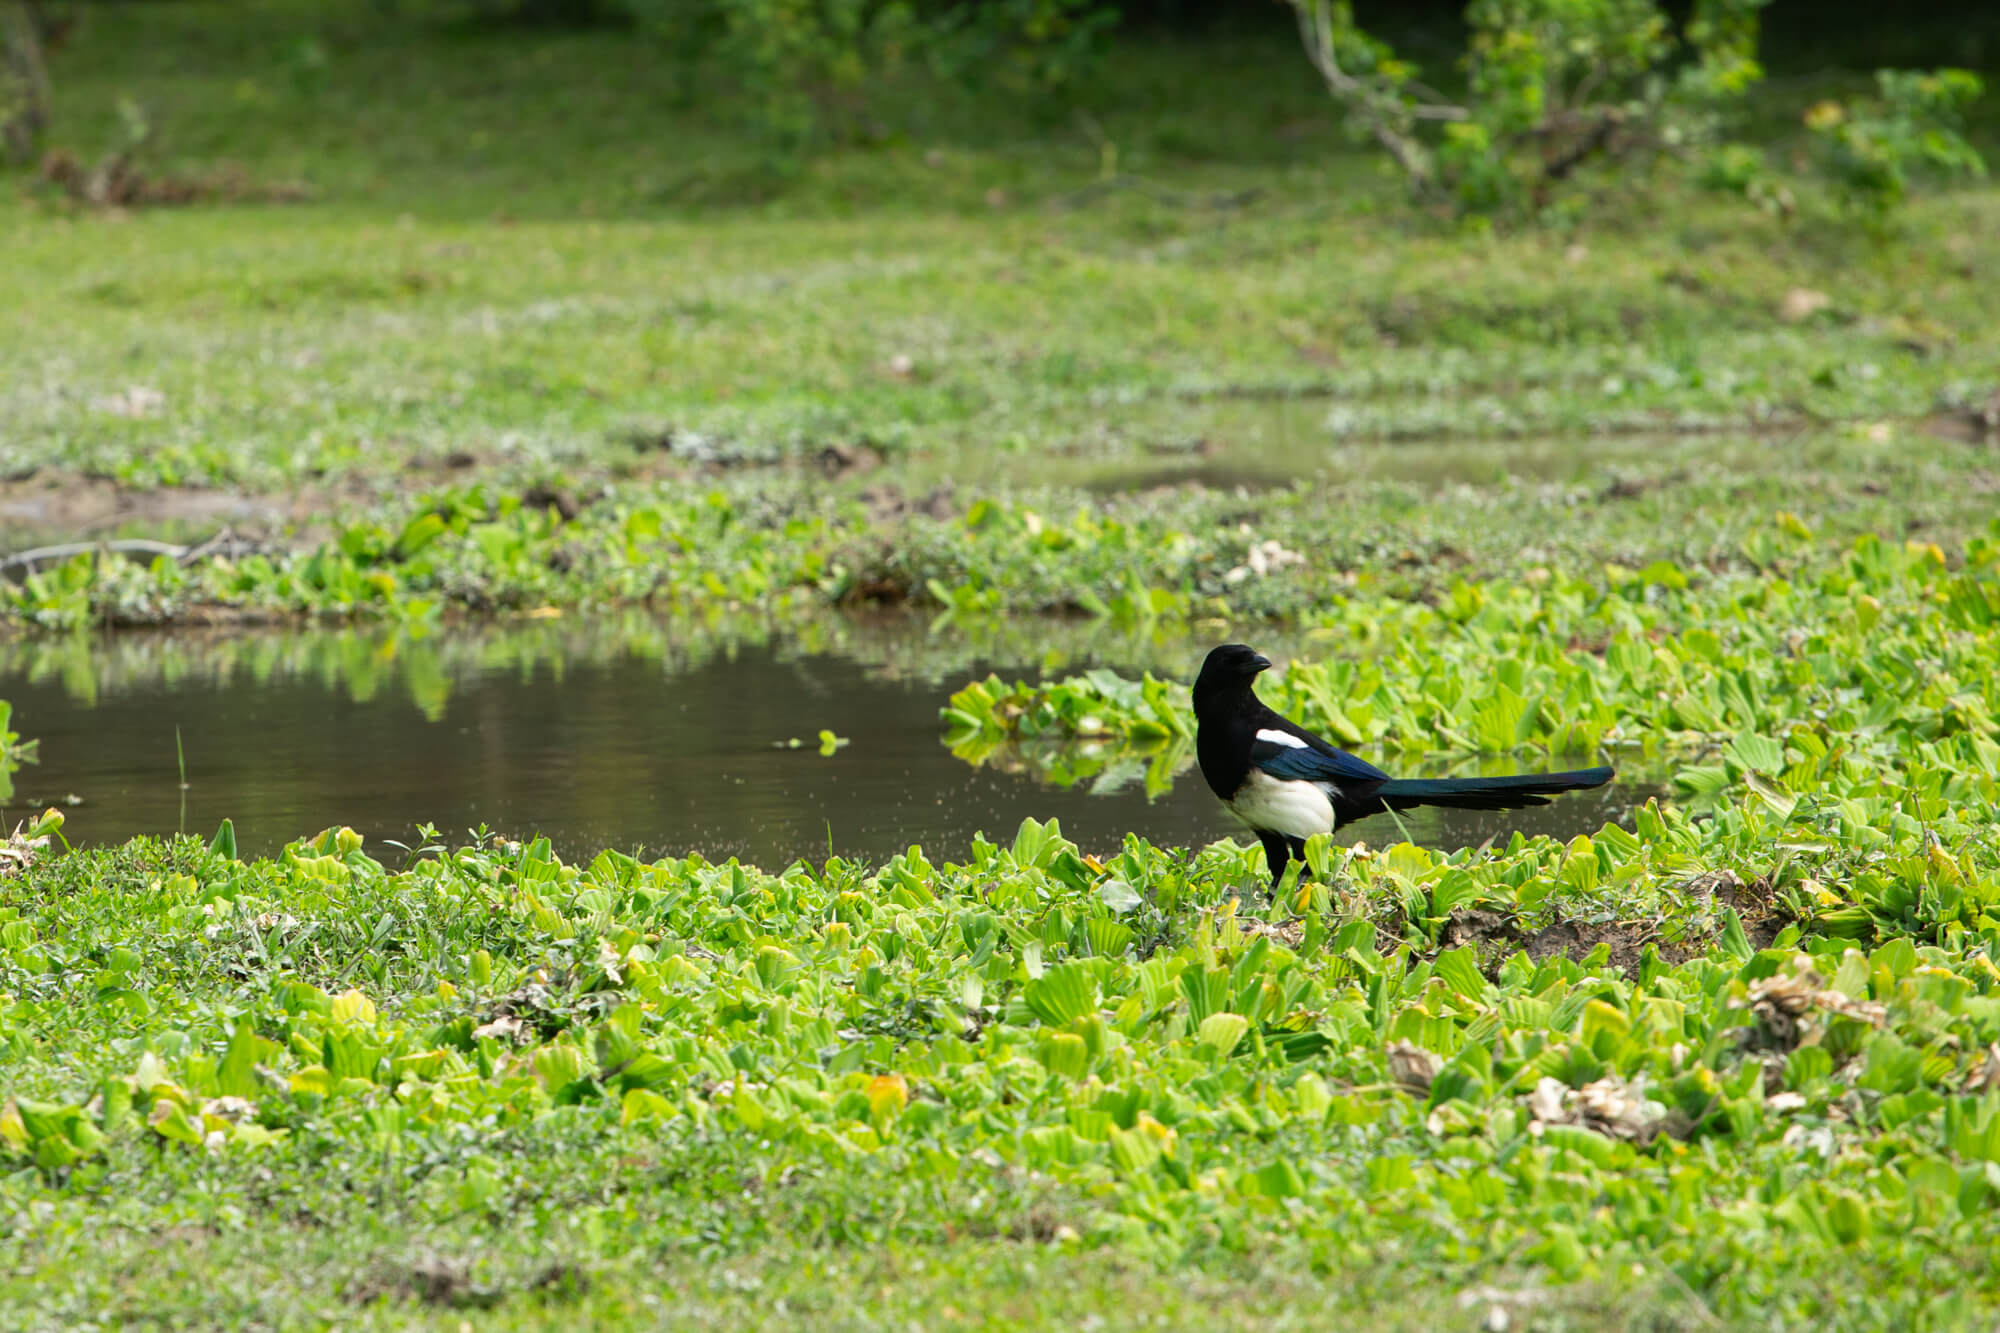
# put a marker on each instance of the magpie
(1287, 784)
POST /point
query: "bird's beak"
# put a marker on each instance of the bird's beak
(1263, 663)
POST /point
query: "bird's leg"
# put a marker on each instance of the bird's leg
(1305, 867)
(1277, 851)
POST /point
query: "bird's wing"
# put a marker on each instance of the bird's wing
(1287, 752)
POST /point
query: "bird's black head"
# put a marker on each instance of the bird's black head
(1228, 672)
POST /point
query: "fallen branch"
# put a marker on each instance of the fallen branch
(224, 543)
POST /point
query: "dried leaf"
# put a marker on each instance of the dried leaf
(1413, 1067)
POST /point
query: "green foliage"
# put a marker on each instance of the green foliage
(1913, 128)
(1117, 1030)
(1802, 680)
(1553, 87)
(811, 68)
(1046, 47)
(1097, 727)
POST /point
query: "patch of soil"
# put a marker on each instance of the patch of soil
(891, 501)
(545, 496)
(445, 1283)
(1627, 941)
(837, 460)
(1970, 425)
(68, 507)
(1199, 446)
(1495, 935)
(455, 460)
(876, 592)
(432, 1280)
(1631, 488)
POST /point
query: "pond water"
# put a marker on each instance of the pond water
(631, 733)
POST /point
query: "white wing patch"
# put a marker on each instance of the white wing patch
(1295, 809)
(1284, 738)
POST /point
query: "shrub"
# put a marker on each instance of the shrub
(1871, 149)
(1553, 87)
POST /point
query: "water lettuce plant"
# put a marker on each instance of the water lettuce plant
(1778, 1064)
(1747, 1047)
(1825, 667)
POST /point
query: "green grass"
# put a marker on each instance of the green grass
(290, 347)
(386, 1276)
(491, 268)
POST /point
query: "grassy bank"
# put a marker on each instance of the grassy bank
(1731, 1064)
(1160, 548)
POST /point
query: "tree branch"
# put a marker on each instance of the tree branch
(1376, 108)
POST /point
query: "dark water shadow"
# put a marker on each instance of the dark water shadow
(628, 733)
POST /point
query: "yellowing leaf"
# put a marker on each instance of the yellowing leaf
(170, 1120)
(313, 1080)
(888, 1094)
(351, 1006)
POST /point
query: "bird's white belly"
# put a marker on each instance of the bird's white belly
(1295, 809)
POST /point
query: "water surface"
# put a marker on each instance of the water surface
(632, 733)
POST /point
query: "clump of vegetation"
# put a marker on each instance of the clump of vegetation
(811, 67)
(1145, 563)
(1554, 89)
(1680, 672)
(811, 71)
(1913, 128)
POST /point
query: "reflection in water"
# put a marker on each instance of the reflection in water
(630, 732)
